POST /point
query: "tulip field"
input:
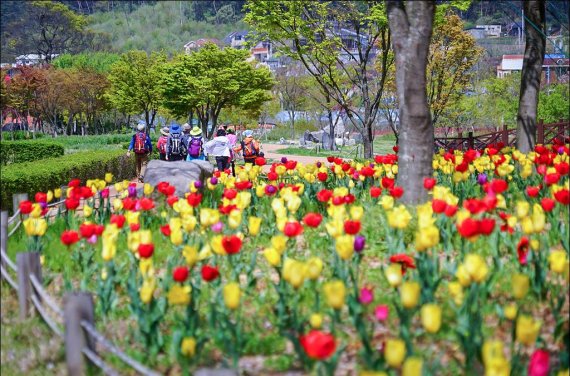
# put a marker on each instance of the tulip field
(320, 269)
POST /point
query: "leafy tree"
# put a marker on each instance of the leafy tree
(534, 13)
(135, 84)
(553, 103)
(289, 88)
(211, 79)
(50, 28)
(411, 27)
(334, 40)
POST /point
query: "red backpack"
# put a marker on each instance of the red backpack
(140, 143)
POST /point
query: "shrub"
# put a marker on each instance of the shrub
(28, 151)
(40, 176)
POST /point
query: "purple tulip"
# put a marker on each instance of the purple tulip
(283, 159)
(371, 165)
(359, 243)
(213, 180)
(217, 227)
(481, 179)
(319, 164)
(198, 184)
(43, 205)
(270, 189)
(561, 150)
(132, 191)
(92, 239)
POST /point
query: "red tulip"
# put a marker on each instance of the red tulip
(209, 273)
(313, 219)
(146, 250)
(146, 203)
(486, 226)
(118, 220)
(71, 203)
(134, 227)
(69, 237)
(375, 191)
(318, 345)
(499, 185)
(532, 191)
(438, 206)
(231, 244)
(349, 198)
(74, 183)
(562, 168)
(322, 176)
(352, 227)
(547, 204)
(260, 161)
(468, 228)
(539, 364)
(562, 196)
(26, 207)
(387, 183)
(429, 183)
(396, 192)
(41, 197)
(450, 210)
(129, 203)
(292, 229)
(171, 200)
(165, 230)
(522, 250)
(87, 230)
(272, 176)
(407, 262)
(180, 273)
(230, 194)
(551, 179)
(324, 195)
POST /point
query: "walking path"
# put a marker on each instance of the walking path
(272, 152)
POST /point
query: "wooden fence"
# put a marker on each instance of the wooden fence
(74, 323)
(545, 134)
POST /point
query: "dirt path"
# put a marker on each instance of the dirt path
(272, 152)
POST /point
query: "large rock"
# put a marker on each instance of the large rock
(179, 174)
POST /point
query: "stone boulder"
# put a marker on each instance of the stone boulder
(179, 174)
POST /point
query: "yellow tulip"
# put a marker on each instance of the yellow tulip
(335, 292)
(36, 210)
(87, 211)
(117, 204)
(49, 196)
(314, 268)
(176, 237)
(217, 246)
(522, 209)
(335, 228)
(394, 274)
(345, 246)
(520, 285)
(231, 294)
(557, 260)
(209, 216)
(293, 203)
(145, 267)
(494, 360)
(35, 226)
(234, 219)
(189, 223)
(412, 366)
(254, 223)
(511, 311)
(476, 267)
(316, 320)
(57, 193)
(399, 217)
(279, 242)
(387, 202)
(147, 290)
(527, 329)
(110, 235)
(179, 295)
(146, 236)
(427, 237)
(294, 272)
(108, 177)
(356, 213)
(431, 317)
(188, 347)
(372, 373)
(190, 253)
(410, 294)
(132, 217)
(394, 352)
(272, 256)
(538, 218)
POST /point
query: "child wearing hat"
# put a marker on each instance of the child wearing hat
(142, 146)
(161, 143)
(195, 145)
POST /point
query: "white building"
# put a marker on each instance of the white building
(32, 59)
(509, 63)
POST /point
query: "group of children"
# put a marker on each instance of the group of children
(187, 144)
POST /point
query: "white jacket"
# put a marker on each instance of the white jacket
(218, 147)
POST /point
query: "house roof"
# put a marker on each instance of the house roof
(230, 36)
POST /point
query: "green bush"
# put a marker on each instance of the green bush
(20, 135)
(41, 176)
(28, 151)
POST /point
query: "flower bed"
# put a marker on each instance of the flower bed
(319, 267)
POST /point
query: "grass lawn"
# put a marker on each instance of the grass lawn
(382, 145)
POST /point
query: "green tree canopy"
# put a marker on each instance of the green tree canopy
(135, 84)
(211, 79)
(99, 62)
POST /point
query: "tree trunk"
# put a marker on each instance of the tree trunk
(368, 139)
(411, 27)
(532, 70)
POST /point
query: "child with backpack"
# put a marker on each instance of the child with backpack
(249, 147)
(142, 146)
(161, 143)
(176, 149)
(195, 145)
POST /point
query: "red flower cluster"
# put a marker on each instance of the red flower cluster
(209, 273)
(318, 345)
(313, 219)
(472, 227)
(69, 237)
(180, 274)
(165, 188)
(231, 244)
(293, 229)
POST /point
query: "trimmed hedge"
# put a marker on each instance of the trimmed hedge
(28, 151)
(41, 176)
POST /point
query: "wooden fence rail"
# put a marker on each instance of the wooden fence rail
(545, 134)
(77, 316)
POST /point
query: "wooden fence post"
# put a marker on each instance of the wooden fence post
(78, 307)
(16, 199)
(28, 263)
(540, 132)
(470, 140)
(4, 235)
(505, 135)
